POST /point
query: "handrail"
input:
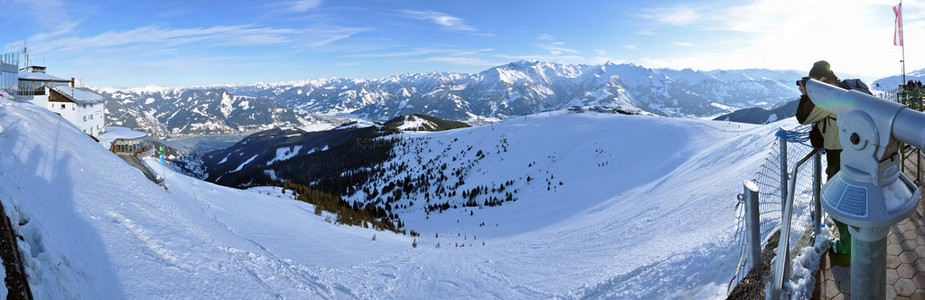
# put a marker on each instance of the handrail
(148, 170)
(783, 248)
(772, 178)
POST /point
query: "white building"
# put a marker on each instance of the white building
(81, 106)
(33, 78)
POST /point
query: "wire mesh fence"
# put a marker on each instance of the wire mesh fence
(772, 190)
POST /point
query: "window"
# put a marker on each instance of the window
(62, 106)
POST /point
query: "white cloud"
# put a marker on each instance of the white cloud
(600, 52)
(856, 37)
(444, 20)
(552, 45)
(459, 60)
(422, 51)
(305, 5)
(319, 37)
(631, 47)
(646, 31)
(153, 37)
(683, 44)
(678, 15)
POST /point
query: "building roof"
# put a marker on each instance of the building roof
(78, 95)
(114, 133)
(39, 76)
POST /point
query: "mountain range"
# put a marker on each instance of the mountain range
(293, 154)
(518, 88)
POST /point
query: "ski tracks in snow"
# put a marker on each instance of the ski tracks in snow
(155, 247)
(703, 275)
(275, 274)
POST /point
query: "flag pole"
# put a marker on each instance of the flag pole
(902, 43)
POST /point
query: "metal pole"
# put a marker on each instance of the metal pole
(903, 46)
(783, 174)
(782, 261)
(868, 269)
(817, 192)
(752, 225)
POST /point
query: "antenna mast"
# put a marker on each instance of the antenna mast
(25, 53)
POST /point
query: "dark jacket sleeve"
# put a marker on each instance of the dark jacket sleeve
(804, 108)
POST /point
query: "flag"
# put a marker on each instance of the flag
(898, 29)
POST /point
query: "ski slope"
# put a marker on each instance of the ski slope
(645, 210)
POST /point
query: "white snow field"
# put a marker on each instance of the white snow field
(645, 210)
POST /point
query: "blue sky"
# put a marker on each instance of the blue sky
(115, 43)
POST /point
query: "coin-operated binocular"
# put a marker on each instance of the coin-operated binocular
(869, 193)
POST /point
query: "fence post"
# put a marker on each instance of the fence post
(817, 192)
(783, 174)
(752, 226)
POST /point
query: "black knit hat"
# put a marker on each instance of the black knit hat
(822, 69)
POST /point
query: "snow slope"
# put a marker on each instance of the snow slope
(645, 211)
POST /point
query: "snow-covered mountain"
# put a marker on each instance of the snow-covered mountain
(757, 115)
(603, 210)
(740, 88)
(893, 82)
(527, 87)
(515, 89)
(193, 111)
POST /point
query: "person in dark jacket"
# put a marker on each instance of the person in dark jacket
(826, 126)
(825, 135)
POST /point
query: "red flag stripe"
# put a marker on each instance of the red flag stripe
(898, 28)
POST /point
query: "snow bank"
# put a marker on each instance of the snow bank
(803, 278)
(284, 153)
(646, 210)
(95, 228)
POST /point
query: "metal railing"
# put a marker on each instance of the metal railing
(783, 215)
(785, 209)
(782, 265)
(911, 97)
